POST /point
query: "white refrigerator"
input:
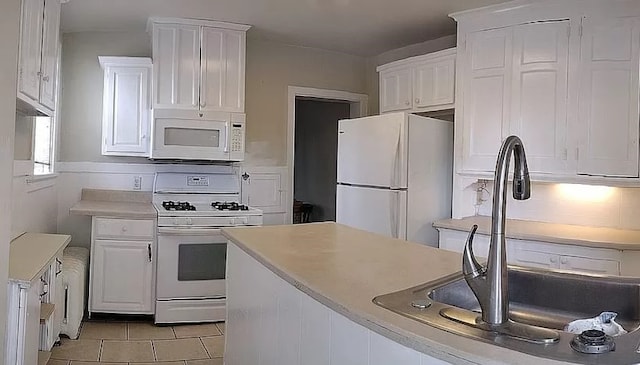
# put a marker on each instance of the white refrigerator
(395, 175)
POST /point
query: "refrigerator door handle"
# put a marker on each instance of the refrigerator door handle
(394, 213)
(395, 165)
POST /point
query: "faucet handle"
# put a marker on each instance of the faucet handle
(470, 266)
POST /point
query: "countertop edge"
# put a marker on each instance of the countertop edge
(456, 224)
(396, 334)
(24, 281)
(114, 209)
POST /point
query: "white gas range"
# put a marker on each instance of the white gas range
(191, 263)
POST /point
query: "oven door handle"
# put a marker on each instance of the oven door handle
(189, 231)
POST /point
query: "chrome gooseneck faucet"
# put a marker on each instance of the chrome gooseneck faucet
(490, 284)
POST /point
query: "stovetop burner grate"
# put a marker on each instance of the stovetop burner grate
(229, 206)
(171, 205)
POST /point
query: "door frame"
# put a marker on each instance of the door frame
(358, 107)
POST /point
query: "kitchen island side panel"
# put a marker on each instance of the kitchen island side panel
(269, 321)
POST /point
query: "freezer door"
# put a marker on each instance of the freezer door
(372, 151)
(380, 211)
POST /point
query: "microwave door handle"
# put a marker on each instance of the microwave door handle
(227, 137)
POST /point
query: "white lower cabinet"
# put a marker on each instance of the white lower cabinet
(122, 272)
(542, 254)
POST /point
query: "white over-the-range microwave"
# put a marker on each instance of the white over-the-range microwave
(197, 135)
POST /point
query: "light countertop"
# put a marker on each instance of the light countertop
(31, 252)
(598, 237)
(115, 203)
(345, 268)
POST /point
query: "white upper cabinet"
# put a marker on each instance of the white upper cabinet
(395, 90)
(434, 83)
(223, 59)
(198, 65)
(176, 55)
(564, 77)
(422, 83)
(38, 56)
(126, 109)
(50, 42)
(487, 66)
(610, 60)
(539, 93)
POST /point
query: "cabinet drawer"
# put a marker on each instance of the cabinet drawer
(123, 228)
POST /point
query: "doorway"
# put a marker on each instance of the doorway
(316, 144)
(318, 100)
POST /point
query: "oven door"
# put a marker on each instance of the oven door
(191, 263)
(192, 139)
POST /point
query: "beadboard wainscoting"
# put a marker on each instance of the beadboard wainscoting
(263, 189)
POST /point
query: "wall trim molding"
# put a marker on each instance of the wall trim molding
(358, 108)
(139, 168)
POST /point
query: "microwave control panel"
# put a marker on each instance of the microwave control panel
(237, 137)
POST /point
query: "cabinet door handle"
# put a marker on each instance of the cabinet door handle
(59, 270)
(149, 251)
(45, 79)
(564, 260)
(417, 101)
(407, 102)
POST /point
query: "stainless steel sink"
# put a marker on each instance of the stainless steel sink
(543, 298)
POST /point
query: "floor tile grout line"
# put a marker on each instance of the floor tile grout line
(100, 350)
(205, 347)
(153, 348)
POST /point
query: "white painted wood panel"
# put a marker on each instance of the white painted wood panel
(50, 48)
(395, 90)
(121, 277)
(30, 56)
(213, 69)
(609, 95)
(126, 106)
(433, 83)
(176, 60)
(269, 321)
(263, 188)
(539, 93)
(486, 97)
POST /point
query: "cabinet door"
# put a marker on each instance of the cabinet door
(539, 93)
(433, 84)
(395, 90)
(608, 105)
(263, 190)
(121, 280)
(126, 111)
(50, 53)
(32, 324)
(487, 79)
(176, 61)
(223, 65)
(58, 296)
(590, 265)
(29, 69)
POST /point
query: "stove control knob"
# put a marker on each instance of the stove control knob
(189, 222)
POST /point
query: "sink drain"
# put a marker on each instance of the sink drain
(593, 342)
(421, 304)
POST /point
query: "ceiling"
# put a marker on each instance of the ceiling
(359, 27)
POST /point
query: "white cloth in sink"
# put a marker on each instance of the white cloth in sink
(605, 322)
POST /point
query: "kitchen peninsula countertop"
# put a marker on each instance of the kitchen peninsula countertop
(345, 268)
(30, 252)
(115, 203)
(598, 237)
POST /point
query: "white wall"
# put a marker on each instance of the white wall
(9, 33)
(562, 203)
(35, 202)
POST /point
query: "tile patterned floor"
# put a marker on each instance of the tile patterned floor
(142, 343)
